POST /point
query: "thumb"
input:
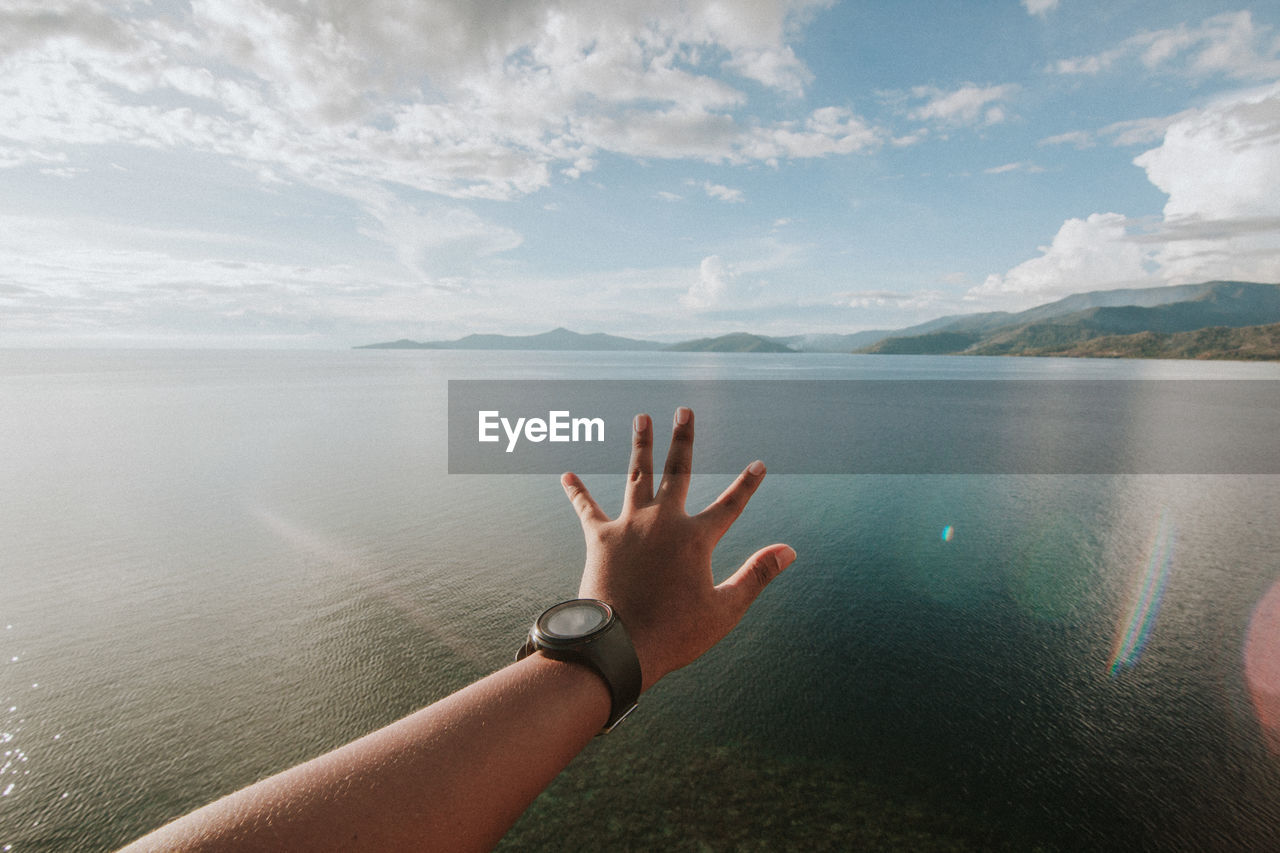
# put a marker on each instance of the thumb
(754, 575)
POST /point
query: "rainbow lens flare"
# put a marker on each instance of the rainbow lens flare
(1147, 595)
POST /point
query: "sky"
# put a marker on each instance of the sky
(326, 173)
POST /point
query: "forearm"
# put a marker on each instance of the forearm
(453, 776)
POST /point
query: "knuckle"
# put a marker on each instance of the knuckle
(764, 570)
(680, 466)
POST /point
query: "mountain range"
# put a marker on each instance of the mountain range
(1217, 319)
(1062, 327)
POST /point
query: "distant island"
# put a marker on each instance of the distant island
(1214, 320)
(565, 340)
(736, 342)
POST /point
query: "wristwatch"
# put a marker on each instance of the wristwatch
(585, 630)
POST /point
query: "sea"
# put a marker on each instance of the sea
(217, 564)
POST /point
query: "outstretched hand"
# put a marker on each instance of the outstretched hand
(426, 781)
(652, 564)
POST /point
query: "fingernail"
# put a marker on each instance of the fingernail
(756, 468)
(788, 556)
(641, 423)
(682, 415)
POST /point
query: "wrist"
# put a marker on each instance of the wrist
(579, 685)
(587, 632)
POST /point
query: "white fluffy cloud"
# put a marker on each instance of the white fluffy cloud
(1086, 254)
(714, 280)
(1223, 161)
(1219, 165)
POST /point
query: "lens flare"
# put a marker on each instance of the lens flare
(1262, 665)
(947, 533)
(1147, 595)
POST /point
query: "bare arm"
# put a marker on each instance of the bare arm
(452, 776)
(457, 774)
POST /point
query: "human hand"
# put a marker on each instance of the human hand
(652, 564)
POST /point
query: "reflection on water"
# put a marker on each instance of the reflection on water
(218, 564)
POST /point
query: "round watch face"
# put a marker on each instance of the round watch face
(571, 620)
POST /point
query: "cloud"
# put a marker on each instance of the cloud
(1140, 131)
(434, 241)
(93, 282)
(1086, 254)
(714, 280)
(1222, 161)
(1230, 44)
(916, 300)
(827, 131)
(719, 138)
(775, 68)
(1218, 165)
(400, 112)
(1078, 138)
(1040, 7)
(462, 98)
(1091, 64)
(12, 158)
(968, 105)
(669, 134)
(720, 192)
(1019, 166)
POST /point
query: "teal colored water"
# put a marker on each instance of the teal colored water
(214, 565)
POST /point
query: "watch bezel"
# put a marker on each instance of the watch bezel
(547, 638)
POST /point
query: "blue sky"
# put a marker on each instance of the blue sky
(316, 173)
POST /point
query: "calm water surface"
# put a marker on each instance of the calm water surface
(214, 565)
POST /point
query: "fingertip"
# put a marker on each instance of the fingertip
(641, 423)
(683, 415)
(786, 556)
(756, 469)
(758, 572)
(781, 556)
(569, 480)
